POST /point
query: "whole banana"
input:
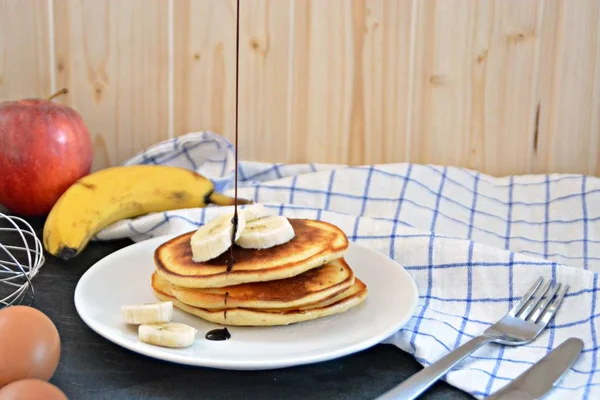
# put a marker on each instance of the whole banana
(109, 195)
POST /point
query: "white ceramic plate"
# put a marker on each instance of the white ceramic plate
(123, 277)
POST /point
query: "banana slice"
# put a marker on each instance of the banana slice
(169, 334)
(256, 211)
(266, 232)
(147, 313)
(214, 238)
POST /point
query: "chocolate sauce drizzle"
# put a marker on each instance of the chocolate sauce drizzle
(225, 311)
(234, 221)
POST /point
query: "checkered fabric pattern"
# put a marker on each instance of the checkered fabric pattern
(473, 244)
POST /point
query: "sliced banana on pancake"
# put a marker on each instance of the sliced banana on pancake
(315, 243)
(255, 211)
(266, 232)
(214, 238)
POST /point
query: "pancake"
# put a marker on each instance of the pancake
(268, 317)
(315, 243)
(309, 287)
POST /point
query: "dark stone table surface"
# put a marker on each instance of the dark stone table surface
(94, 368)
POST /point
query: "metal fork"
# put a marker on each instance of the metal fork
(521, 325)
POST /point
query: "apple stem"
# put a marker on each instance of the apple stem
(61, 91)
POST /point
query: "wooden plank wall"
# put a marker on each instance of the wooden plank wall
(501, 86)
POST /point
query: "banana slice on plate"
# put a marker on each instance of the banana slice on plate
(266, 232)
(169, 334)
(214, 238)
(147, 313)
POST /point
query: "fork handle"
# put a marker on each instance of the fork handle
(421, 381)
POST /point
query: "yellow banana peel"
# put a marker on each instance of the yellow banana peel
(109, 195)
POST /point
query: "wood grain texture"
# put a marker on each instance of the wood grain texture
(441, 103)
(113, 58)
(349, 91)
(390, 81)
(204, 66)
(569, 89)
(265, 92)
(24, 49)
(314, 77)
(500, 86)
(476, 70)
(511, 71)
(322, 79)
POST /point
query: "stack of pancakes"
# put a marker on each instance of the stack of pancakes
(303, 279)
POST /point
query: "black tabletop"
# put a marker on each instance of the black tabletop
(91, 367)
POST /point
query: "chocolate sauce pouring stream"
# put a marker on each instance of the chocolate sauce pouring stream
(235, 213)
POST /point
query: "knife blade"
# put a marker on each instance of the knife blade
(540, 378)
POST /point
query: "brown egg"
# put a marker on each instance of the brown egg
(31, 389)
(29, 345)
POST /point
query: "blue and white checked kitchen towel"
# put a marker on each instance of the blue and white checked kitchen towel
(472, 243)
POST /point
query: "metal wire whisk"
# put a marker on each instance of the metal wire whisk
(21, 256)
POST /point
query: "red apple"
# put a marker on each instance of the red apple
(44, 148)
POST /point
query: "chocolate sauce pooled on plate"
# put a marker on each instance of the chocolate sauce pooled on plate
(218, 334)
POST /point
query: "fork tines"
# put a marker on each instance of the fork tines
(535, 305)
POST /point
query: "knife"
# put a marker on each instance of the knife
(540, 378)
